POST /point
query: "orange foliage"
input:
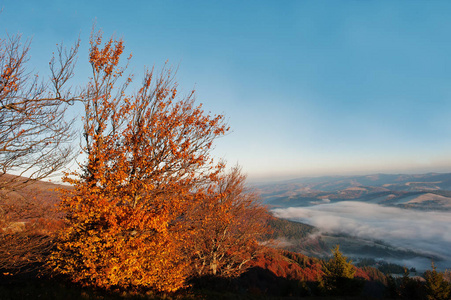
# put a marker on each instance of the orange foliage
(290, 265)
(149, 189)
(360, 273)
(229, 223)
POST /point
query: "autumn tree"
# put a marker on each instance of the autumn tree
(230, 221)
(437, 287)
(148, 164)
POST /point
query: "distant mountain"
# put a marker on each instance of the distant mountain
(430, 191)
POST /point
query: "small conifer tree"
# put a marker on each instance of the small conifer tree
(436, 286)
(339, 275)
(338, 265)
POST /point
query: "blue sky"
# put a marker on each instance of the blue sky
(308, 87)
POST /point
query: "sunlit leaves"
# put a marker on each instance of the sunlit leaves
(147, 165)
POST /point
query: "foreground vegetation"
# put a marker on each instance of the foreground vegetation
(274, 274)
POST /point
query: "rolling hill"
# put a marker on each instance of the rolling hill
(421, 191)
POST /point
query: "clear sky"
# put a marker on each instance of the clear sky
(308, 87)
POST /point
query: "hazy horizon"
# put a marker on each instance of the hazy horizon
(289, 177)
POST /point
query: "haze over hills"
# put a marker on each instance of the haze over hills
(400, 218)
(421, 191)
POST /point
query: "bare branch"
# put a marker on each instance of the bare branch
(34, 133)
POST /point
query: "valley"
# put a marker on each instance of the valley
(402, 219)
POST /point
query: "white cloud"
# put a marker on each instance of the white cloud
(423, 231)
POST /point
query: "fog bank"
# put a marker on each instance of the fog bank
(428, 232)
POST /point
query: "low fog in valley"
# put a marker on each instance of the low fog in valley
(427, 232)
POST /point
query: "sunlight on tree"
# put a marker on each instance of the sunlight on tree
(136, 206)
(229, 221)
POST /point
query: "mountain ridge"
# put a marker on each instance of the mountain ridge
(430, 191)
